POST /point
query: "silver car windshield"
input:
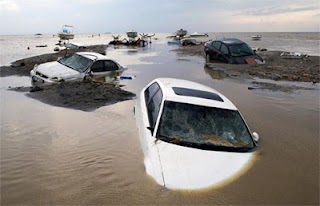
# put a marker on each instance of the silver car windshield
(204, 127)
(240, 50)
(76, 62)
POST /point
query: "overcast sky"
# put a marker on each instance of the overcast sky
(100, 16)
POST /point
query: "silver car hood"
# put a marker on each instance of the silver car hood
(55, 69)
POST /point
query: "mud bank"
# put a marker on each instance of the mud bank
(275, 68)
(23, 67)
(85, 96)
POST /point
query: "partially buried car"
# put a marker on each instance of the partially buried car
(231, 50)
(191, 135)
(75, 67)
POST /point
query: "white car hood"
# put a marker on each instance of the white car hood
(190, 168)
(55, 69)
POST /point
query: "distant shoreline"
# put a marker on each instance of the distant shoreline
(216, 32)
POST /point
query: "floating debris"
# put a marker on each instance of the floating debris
(42, 45)
(127, 77)
(293, 55)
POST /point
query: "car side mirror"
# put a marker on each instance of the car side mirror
(255, 136)
(89, 73)
(151, 129)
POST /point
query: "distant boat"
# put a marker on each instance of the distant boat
(67, 32)
(38, 34)
(256, 37)
(132, 34)
(181, 32)
(196, 34)
(176, 42)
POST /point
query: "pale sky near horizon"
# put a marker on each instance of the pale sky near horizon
(100, 16)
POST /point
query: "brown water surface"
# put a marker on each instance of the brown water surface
(58, 156)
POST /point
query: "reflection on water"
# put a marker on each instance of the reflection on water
(215, 73)
(57, 156)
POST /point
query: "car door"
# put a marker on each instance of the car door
(224, 53)
(211, 50)
(146, 113)
(150, 108)
(102, 68)
(216, 49)
(153, 97)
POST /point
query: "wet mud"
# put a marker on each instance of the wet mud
(276, 68)
(85, 96)
(255, 85)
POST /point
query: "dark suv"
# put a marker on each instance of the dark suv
(232, 51)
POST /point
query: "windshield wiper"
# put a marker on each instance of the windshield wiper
(244, 52)
(164, 138)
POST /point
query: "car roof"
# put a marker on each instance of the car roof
(93, 56)
(231, 41)
(178, 90)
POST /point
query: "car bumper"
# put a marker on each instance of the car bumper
(36, 79)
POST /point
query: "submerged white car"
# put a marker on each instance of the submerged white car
(78, 66)
(191, 135)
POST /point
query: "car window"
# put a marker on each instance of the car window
(217, 45)
(154, 108)
(212, 43)
(240, 50)
(153, 96)
(224, 49)
(204, 127)
(110, 65)
(97, 67)
(150, 91)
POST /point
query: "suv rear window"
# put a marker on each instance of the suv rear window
(196, 93)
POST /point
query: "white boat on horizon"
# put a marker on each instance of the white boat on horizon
(132, 34)
(67, 32)
(256, 37)
(196, 34)
(181, 32)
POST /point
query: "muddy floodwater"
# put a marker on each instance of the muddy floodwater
(53, 155)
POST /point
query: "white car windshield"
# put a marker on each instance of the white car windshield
(76, 62)
(204, 127)
(240, 50)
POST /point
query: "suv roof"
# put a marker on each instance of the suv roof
(231, 41)
(200, 94)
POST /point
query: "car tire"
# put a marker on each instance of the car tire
(208, 59)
